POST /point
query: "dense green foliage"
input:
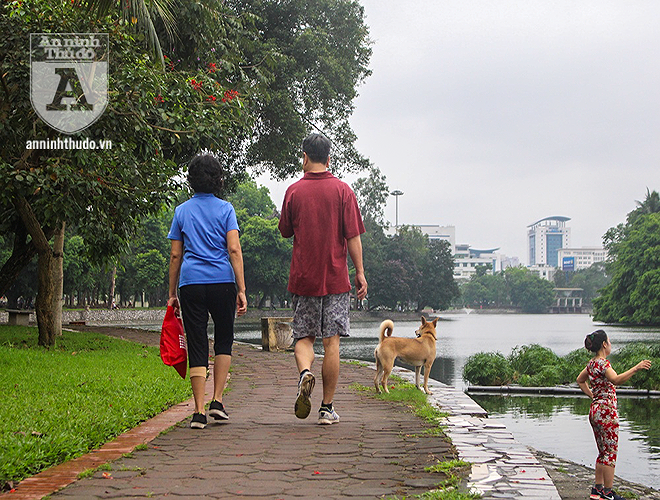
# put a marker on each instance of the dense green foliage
(246, 80)
(65, 401)
(318, 54)
(515, 287)
(633, 295)
(537, 366)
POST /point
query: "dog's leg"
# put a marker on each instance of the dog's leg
(418, 369)
(427, 372)
(386, 375)
(379, 374)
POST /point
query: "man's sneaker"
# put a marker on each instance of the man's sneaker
(611, 495)
(328, 417)
(595, 494)
(198, 421)
(305, 386)
(217, 411)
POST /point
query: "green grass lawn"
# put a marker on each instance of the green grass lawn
(61, 402)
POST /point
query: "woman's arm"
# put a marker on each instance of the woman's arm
(176, 256)
(625, 376)
(236, 259)
(582, 382)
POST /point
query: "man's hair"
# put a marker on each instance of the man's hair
(205, 174)
(317, 147)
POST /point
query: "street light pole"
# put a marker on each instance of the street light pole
(396, 195)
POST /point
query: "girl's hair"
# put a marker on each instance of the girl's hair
(594, 341)
(205, 174)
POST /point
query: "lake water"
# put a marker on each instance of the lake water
(556, 425)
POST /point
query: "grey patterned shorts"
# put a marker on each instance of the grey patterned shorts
(321, 317)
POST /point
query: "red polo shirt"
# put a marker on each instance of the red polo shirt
(321, 213)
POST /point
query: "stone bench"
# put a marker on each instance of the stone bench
(19, 317)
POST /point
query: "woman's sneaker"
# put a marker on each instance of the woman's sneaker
(217, 411)
(595, 494)
(305, 386)
(327, 417)
(198, 421)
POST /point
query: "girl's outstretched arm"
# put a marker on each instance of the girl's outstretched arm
(625, 376)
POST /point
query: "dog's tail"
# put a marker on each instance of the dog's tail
(386, 328)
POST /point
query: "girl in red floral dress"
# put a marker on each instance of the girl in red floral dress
(598, 381)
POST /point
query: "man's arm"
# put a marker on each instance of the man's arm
(285, 226)
(355, 251)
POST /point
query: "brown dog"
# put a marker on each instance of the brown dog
(418, 352)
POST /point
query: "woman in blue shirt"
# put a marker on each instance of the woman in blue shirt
(206, 263)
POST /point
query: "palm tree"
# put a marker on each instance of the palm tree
(141, 14)
(650, 205)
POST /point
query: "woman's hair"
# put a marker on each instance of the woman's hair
(205, 174)
(594, 341)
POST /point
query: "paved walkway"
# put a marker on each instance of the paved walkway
(264, 451)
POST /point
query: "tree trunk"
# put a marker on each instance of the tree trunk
(45, 300)
(58, 279)
(113, 281)
(44, 305)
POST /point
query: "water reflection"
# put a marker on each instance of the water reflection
(560, 425)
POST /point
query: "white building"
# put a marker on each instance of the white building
(545, 272)
(467, 259)
(545, 238)
(574, 259)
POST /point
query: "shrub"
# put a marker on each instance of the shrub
(487, 368)
(574, 362)
(631, 354)
(530, 359)
(548, 376)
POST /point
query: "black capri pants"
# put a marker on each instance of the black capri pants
(197, 301)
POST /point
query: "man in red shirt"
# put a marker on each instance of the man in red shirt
(322, 215)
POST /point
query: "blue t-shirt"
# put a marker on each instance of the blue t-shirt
(202, 223)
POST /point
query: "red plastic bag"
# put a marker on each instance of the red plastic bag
(173, 343)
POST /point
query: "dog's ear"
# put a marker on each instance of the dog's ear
(423, 320)
(435, 322)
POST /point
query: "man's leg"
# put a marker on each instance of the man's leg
(304, 353)
(330, 368)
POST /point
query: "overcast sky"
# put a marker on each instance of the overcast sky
(491, 115)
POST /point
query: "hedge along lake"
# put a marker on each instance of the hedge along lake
(558, 425)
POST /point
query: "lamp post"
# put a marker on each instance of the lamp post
(396, 193)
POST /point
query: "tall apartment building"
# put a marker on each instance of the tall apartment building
(545, 237)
